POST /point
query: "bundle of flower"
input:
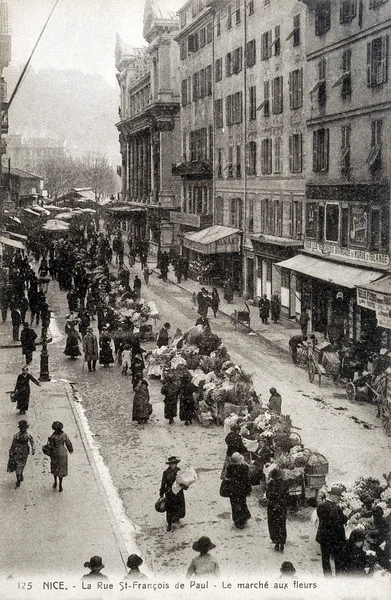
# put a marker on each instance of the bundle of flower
(263, 421)
(368, 488)
(295, 474)
(300, 455)
(208, 342)
(385, 502)
(191, 356)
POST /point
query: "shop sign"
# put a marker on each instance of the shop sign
(366, 299)
(231, 243)
(357, 255)
(358, 225)
(383, 310)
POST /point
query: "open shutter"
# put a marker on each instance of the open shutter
(315, 166)
(384, 51)
(291, 153)
(369, 64)
(291, 100)
(326, 149)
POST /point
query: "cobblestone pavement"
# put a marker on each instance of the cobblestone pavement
(349, 435)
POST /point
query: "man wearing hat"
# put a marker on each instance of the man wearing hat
(275, 401)
(133, 563)
(175, 503)
(90, 349)
(204, 564)
(95, 564)
(331, 532)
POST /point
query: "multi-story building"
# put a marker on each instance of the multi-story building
(30, 153)
(243, 128)
(347, 221)
(5, 59)
(149, 127)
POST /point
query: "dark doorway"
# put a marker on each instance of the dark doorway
(319, 306)
(250, 278)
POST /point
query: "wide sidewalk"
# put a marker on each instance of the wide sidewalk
(44, 531)
(276, 334)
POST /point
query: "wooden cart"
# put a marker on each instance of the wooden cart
(323, 362)
(377, 390)
(241, 317)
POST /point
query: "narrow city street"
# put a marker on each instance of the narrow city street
(349, 435)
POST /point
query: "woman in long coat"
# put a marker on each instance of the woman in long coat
(175, 503)
(22, 390)
(277, 494)
(141, 405)
(215, 301)
(238, 474)
(187, 406)
(106, 353)
(73, 338)
(19, 451)
(59, 445)
(170, 393)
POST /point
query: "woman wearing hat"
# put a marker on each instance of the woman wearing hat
(19, 451)
(133, 563)
(22, 390)
(142, 408)
(238, 474)
(106, 353)
(95, 564)
(175, 503)
(277, 494)
(205, 563)
(60, 445)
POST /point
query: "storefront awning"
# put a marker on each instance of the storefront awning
(377, 297)
(14, 243)
(332, 272)
(217, 239)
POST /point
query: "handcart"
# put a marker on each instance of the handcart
(368, 388)
(322, 361)
(241, 317)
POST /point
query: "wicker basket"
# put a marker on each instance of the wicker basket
(315, 480)
(321, 467)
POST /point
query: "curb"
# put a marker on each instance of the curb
(222, 312)
(2, 347)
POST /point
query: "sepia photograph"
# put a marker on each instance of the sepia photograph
(195, 297)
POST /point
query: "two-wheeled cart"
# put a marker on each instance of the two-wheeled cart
(323, 362)
(241, 317)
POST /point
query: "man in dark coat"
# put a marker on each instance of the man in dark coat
(331, 532)
(137, 286)
(27, 339)
(163, 336)
(294, 343)
(16, 320)
(303, 320)
(264, 308)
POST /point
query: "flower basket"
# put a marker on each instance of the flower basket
(317, 464)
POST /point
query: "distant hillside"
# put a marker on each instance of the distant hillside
(77, 107)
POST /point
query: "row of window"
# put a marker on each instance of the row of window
(201, 86)
(196, 199)
(321, 149)
(200, 144)
(271, 157)
(357, 225)
(348, 10)
(196, 41)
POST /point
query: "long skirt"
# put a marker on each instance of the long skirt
(140, 407)
(175, 506)
(23, 399)
(186, 408)
(170, 408)
(240, 512)
(276, 520)
(72, 347)
(106, 354)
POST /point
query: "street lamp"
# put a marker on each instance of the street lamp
(44, 362)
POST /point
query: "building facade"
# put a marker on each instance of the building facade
(30, 153)
(347, 224)
(5, 59)
(149, 128)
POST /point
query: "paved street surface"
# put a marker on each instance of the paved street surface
(349, 435)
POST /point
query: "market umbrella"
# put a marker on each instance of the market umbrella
(53, 207)
(87, 210)
(65, 215)
(55, 225)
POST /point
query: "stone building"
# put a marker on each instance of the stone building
(149, 128)
(30, 153)
(347, 222)
(5, 59)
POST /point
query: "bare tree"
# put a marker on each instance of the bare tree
(60, 174)
(99, 174)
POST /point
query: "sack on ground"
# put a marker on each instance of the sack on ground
(225, 488)
(187, 477)
(160, 505)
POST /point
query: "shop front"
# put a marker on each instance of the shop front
(132, 220)
(374, 301)
(328, 292)
(214, 255)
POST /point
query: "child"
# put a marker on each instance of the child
(205, 563)
(126, 356)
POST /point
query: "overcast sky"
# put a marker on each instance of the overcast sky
(81, 33)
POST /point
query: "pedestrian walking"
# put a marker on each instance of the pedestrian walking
(126, 359)
(95, 564)
(295, 342)
(175, 503)
(264, 309)
(234, 443)
(238, 475)
(205, 564)
(22, 390)
(137, 367)
(142, 408)
(106, 357)
(331, 532)
(133, 563)
(275, 401)
(170, 393)
(16, 321)
(90, 349)
(137, 287)
(147, 272)
(203, 301)
(59, 444)
(163, 337)
(19, 451)
(187, 406)
(27, 340)
(45, 319)
(228, 291)
(5, 298)
(43, 272)
(72, 348)
(215, 301)
(303, 320)
(275, 307)
(23, 307)
(277, 494)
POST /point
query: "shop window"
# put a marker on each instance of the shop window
(311, 217)
(358, 233)
(252, 103)
(375, 230)
(377, 61)
(344, 227)
(322, 17)
(332, 222)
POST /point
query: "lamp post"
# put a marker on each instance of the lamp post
(44, 362)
